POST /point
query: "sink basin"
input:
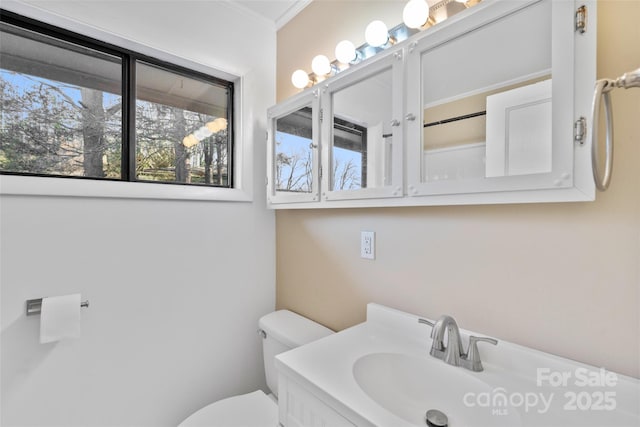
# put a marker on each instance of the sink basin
(409, 386)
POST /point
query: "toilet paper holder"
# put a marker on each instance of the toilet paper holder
(34, 306)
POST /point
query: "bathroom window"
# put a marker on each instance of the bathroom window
(75, 107)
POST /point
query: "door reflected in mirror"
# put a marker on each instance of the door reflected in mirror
(362, 135)
(487, 114)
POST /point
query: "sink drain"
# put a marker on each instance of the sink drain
(436, 418)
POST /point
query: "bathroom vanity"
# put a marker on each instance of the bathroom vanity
(380, 373)
(488, 106)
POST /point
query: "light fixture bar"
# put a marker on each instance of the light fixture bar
(437, 13)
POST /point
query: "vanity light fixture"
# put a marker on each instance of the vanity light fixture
(300, 79)
(347, 54)
(376, 34)
(415, 13)
(205, 131)
(321, 65)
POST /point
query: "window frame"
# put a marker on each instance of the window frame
(134, 57)
(24, 183)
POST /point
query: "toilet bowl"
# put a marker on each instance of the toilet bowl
(281, 331)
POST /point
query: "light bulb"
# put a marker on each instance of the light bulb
(415, 13)
(221, 123)
(345, 52)
(321, 65)
(300, 79)
(190, 141)
(376, 34)
(217, 125)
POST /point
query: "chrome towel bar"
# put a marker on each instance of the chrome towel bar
(34, 306)
(602, 89)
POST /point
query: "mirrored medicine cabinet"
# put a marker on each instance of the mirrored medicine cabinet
(293, 155)
(485, 107)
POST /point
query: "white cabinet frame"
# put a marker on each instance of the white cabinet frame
(395, 63)
(306, 99)
(566, 181)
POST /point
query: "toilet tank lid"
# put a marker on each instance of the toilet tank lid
(291, 329)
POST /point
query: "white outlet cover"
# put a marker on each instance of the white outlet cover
(368, 244)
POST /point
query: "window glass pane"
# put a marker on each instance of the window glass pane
(61, 107)
(294, 152)
(182, 132)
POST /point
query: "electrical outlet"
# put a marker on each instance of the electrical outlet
(368, 244)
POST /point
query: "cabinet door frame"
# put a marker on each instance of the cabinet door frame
(391, 60)
(304, 99)
(566, 180)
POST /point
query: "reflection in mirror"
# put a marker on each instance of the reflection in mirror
(485, 113)
(294, 152)
(361, 143)
(519, 131)
(349, 155)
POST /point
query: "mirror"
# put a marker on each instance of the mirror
(294, 151)
(486, 99)
(361, 143)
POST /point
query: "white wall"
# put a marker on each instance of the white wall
(176, 287)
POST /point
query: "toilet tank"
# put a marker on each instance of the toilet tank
(283, 331)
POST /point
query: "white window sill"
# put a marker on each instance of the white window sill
(39, 186)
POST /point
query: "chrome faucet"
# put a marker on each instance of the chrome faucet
(453, 353)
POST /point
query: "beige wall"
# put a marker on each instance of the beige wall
(563, 278)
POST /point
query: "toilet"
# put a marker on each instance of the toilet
(281, 330)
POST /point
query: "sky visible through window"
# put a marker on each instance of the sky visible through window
(293, 163)
(28, 83)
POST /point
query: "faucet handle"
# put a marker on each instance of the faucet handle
(426, 322)
(473, 355)
(430, 323)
